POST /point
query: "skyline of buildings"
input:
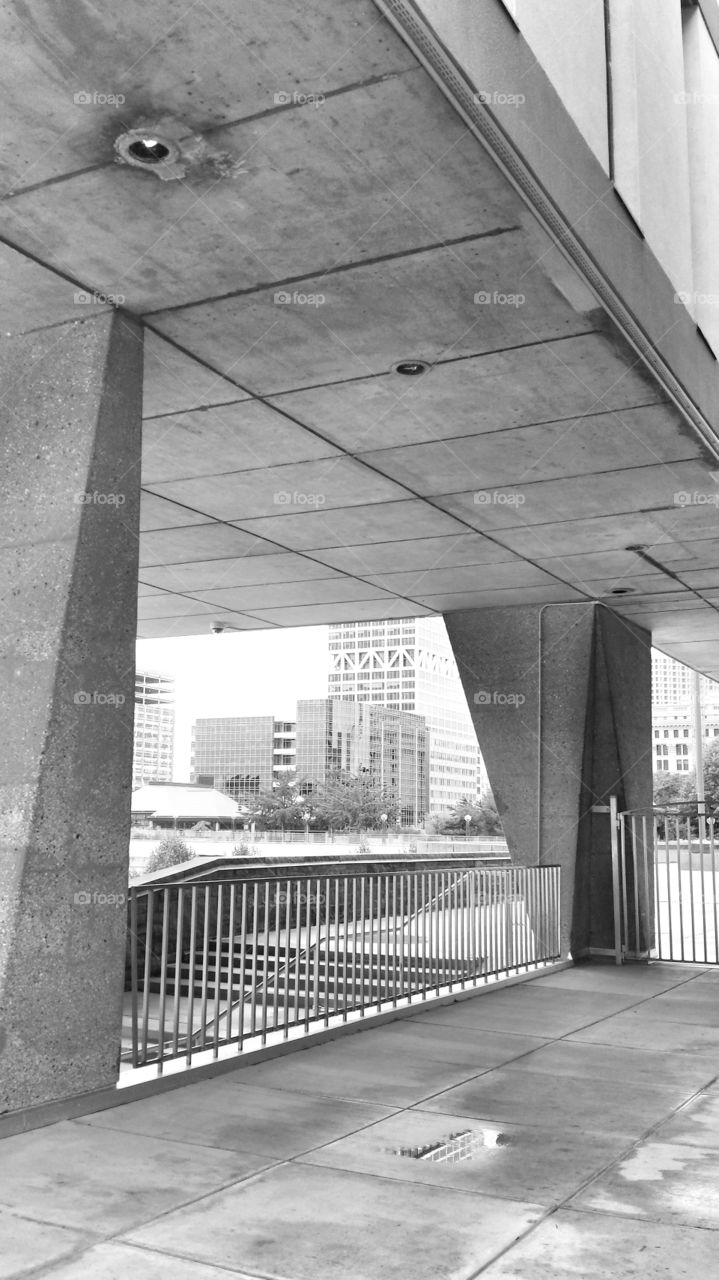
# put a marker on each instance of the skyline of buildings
(407, 664)
(243, 756)
(400, 665)
(673, 714)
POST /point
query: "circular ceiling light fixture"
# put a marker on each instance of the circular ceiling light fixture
(152, 149)
(149, 150)
(411, 368)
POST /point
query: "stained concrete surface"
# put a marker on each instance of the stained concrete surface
(589, 1157)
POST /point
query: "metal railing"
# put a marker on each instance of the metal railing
(260, 954)
(669, 884)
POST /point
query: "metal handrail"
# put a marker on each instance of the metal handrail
(229, 961)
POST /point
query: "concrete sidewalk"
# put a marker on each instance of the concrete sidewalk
(589, 1116)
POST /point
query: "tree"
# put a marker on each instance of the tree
(485, 818)
(711, 777)
(281, 808)
(674, 788)
(170, 852)
(353, 800)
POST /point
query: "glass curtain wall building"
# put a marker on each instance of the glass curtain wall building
(241, 755)
(391, 745)
(245, 755)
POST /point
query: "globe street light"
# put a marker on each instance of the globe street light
(467, 820)
(383, 819)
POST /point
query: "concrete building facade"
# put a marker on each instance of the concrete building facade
(407, 664)
(154, 729)
(674, 720)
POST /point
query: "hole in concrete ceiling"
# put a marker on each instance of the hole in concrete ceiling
(149, 150)
(622, 591)
(411, 368)
(458, 1147)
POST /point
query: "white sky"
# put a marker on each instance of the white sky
(253, 673)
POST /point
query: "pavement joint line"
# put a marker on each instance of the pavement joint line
(278, 1160)
(635, 1217)
(565, 1204)
(188, 1257)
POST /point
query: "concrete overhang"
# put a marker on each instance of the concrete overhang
(347, 205)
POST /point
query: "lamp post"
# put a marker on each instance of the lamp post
(307, 818)
(467, 820)
(383, 820)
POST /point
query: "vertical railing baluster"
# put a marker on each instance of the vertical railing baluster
(190, 1017)
(330, 950)
(243, 963)
(648, 879)
(690, 872)
(713, 858)
(317, 951)
(218, 972)
(163, 978)
(255, 944)
(403, 943)
(265, 961)
(178, 971)
(302, 900)
(442, 932)
(149, 931)
(379, 954)
(288, 962)
(363, 935)
(680, 893)
(424, 947)
(702, 833)
(277, 957)
(308, 976)
(230, 963)
(395, 927)
(345, 946)
(205, 968)
(133, 943)
(670, 905)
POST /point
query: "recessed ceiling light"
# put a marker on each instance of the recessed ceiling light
(622, 591)
(411, 368)
(149, 150)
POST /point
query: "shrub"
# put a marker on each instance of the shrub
(170, 852)
(240, 850)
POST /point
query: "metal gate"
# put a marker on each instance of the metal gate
(666, 878)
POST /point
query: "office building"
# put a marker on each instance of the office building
(408, 665)
(391, 745)
(242, 755)
(673, 714)
(154, 728)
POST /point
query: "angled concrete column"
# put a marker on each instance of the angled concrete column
(561, 702)
(69, 476)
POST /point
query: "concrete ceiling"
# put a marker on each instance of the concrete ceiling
(290, 476)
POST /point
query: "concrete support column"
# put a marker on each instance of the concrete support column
(70, 447)
(560, 696)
